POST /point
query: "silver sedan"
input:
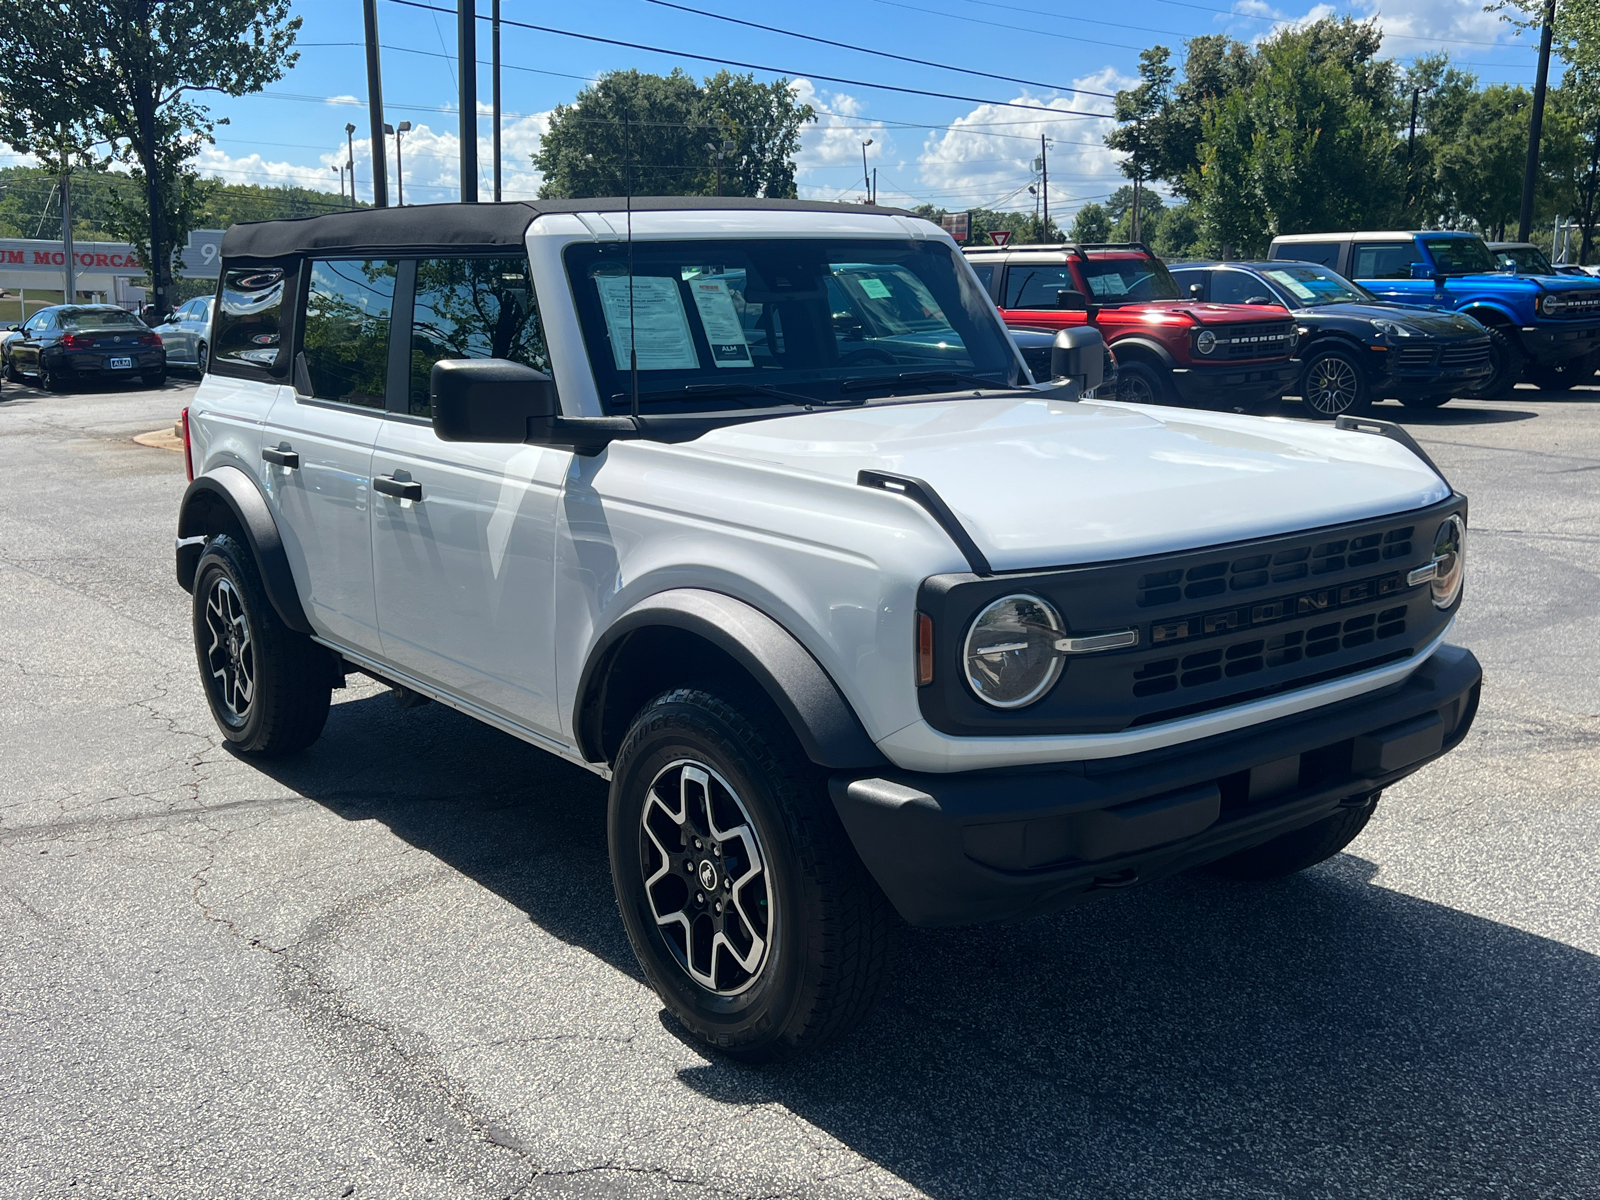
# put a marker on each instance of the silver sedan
(187, 334)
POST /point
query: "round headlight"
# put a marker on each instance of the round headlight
(1449, 556)
(1550, 303)
(1205, 341)
(1010, 654)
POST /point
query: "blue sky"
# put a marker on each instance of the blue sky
(956, 153)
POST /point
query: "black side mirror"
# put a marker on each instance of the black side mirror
(1197, 291)
(1072, 300)
(489, 400)
(1259, 300)
(1079, 355)
(14, 327)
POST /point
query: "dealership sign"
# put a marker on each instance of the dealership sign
(201, 256)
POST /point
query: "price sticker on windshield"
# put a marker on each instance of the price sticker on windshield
(724, 331)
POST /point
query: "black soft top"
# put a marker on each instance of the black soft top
(458, 227)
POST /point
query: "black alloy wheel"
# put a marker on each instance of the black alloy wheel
(1563, 376)
(49, 380)
(1507, 359)
(202, 358)
(268, 686)
(1332, 385)
(1140, 383)
(743, 899)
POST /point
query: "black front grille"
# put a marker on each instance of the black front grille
(1265, 339)
(1465, 358)
(1159, 588)
(1578, 305)
(1416, 358)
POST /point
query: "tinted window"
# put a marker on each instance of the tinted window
(1323, 253)
(346, 337)
(100, 318)
(1036, 285)
(1237, 287)
(1187, 279)
(472, 308)
(1311, 285)
(1383, 260)
(985, 274)
(35, 324)
(1460, 256)
(246, 328)
(712, 321)
(1128, 280)
(1530, 260)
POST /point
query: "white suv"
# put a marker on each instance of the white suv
(751, 508)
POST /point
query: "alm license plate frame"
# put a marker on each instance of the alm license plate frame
(120, 364)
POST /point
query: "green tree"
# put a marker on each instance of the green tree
(1092, 224)
(132, 69)
(659, 133)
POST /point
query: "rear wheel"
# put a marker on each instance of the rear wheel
(50, 380)
(1507, 359)
(1302, 848)
(1140, 383)
(1563, 376)
(267, 685)
(1332, 385)
(202, 358)
(745, 903)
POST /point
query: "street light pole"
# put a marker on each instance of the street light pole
(1044, 185)
(467, 50)
(399, 170)
(350, 162)
(1530, 171)
(380, 172)
(494, 54)
(866, 177)
(339, 170)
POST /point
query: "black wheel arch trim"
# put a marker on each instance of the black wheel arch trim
(238, 494)
(1153, 348)
(822, 719)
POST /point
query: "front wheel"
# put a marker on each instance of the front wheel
(11, 373)
(267, 685)
(1332, 385)
(1300, 848)
(743, 899)
(1507, 359)
(1140, 383)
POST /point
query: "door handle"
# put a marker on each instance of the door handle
(281, 456)
(400, 489)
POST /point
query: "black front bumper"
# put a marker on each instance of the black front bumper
(1229, 383)
(1014, 843)
(1554, 341)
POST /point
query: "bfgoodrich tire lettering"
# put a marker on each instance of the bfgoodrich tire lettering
(268, 686)
(806, 938)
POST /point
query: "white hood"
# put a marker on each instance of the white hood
(1043, 483)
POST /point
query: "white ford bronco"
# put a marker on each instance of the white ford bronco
(753, 509)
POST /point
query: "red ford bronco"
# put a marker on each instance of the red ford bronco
(1169, 349)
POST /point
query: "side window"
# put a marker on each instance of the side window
(985, 274)
(1383, 260)
(1236, 287)
(1187, 279)
(248, 320)
(472, 308)
(1324, 254)
(1030, 286)
(36, 323)
(346, 336)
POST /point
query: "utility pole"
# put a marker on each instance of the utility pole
(1530, 173)
(467, 51)
(380, 169)
(1044, 185)
(399, 170)
(339, 170)
(494, 53)
(350, 162)
(69, 292)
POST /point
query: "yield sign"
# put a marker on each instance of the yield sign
(1000, 237)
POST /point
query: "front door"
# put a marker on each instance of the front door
(322, 432)
(463, 566)
(1031, 298)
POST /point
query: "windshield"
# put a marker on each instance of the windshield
(1113, 281)
(1311, 286)
(749, 323)
(1530, 260)
(1460, 256)
(99, 318)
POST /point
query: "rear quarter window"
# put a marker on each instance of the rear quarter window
(249, 318)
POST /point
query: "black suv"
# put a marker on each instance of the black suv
(1354, 347)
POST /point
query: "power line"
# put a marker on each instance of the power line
(921, 62)
(771, 70)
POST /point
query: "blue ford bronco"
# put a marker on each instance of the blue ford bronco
(1545, 328)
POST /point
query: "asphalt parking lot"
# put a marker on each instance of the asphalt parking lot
(393, 966)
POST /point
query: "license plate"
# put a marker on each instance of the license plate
(121, 363)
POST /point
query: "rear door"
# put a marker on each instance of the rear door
(464, 568)
(321, 433)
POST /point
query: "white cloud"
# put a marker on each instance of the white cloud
(347, 100)
(1416, 26)
(828, 166)
(986, 158)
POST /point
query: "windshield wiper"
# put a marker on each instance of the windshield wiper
(908, 377)
(730, 390)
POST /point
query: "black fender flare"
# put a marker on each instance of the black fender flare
(1153, 348)
(228, 490)
(807, 697)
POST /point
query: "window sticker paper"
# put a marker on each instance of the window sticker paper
(714, 302)
(658, 321)
(876, 288)
(1300, 290)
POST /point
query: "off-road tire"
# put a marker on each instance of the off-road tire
(1298, 849)
(828, 925)
(1333, 385)
(1140, 383)
(1508, 361)
(291, 677)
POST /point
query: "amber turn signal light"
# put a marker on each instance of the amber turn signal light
(924, 649)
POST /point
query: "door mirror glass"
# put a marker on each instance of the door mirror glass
(1072, 299)
(1197, 291)
(489, 400)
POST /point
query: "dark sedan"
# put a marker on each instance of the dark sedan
(77, 343)
(1354, 347)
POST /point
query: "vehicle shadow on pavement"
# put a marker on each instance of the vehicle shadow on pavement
(1320, 1035)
